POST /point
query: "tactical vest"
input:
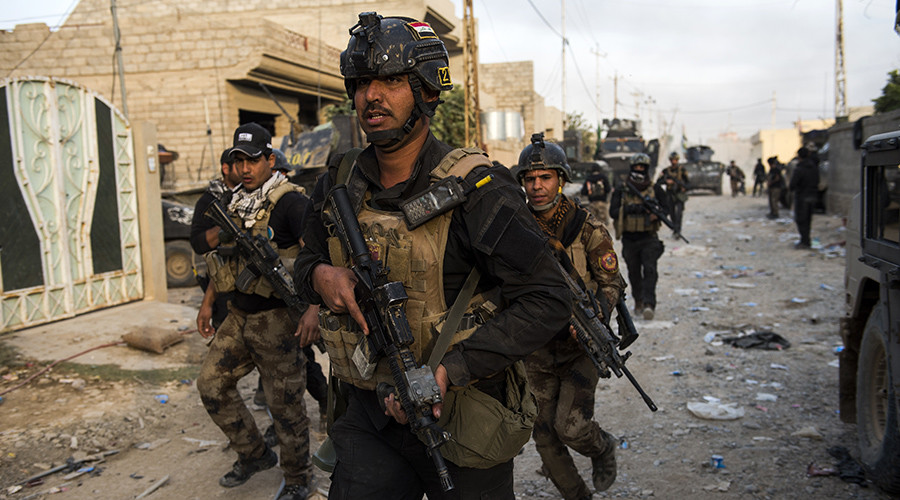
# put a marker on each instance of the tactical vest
(634, 223)
(225, 263)
(415, 258)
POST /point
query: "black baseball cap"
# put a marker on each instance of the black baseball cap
(252, 140)
(226, 157)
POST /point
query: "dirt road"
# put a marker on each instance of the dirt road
(740, 274)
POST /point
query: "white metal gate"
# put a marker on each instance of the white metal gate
(69, 240)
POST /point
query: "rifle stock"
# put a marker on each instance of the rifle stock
(383, 303)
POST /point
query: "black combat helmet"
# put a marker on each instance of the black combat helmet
(383, 46)
(540, 155)
(640, 159)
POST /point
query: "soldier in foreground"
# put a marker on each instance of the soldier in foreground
(394, 69)
(563, 377)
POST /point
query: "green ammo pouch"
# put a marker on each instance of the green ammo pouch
(484, 432)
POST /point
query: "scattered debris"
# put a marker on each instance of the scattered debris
(813, 470)
(769, 341)
(850, 471)
(202, 443)
(716, 411)
(155, 486)
(152, 445)
(808, 432)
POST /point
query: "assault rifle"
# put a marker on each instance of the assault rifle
(601, 344)
(383, 304)
(667, 175)
(263, 261)
(652, 205)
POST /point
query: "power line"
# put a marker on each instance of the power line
(543, 19)
(493, 29)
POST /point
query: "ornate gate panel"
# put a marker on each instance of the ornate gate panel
(68, 209)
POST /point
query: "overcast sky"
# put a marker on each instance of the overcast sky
(709, 66)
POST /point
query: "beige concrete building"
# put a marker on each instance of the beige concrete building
(192, 66)
(512, 110)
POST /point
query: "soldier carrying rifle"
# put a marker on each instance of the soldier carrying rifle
(469, 292)
(562, 374)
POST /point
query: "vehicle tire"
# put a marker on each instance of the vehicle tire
(718, 189)
(877, 422)
(179, 264)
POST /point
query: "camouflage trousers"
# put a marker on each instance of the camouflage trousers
(563, 380)
(265, 341)
(600, 210)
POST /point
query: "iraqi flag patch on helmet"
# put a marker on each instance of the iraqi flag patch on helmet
(422, 30)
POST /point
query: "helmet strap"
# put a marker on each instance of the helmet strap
(421, 107)
(547, 206)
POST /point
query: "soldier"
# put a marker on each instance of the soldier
(805, 185)
(596, 188)
(205, 237)
(637, 227)
(736, 176)
(258, 331)
(562, 375)
(759, 178)
(676, 181)
(775, 184)
(394, 69)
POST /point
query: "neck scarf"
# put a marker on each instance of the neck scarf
(246, 204)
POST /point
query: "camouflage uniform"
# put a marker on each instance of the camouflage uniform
(259, 332)
(264, 340)
(677, 193)
(563, 377)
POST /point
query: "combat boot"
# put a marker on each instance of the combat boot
(648, 313)
(604, 465)
(294, 492)
(243, 469)
(270, 437)
(638, 307)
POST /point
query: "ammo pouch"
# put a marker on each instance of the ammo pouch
(219, 272)
(484, 432)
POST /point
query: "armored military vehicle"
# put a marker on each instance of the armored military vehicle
(308, 152)
(621, 141)
(702, 171)
(870, 359)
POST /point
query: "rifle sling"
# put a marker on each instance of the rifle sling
(453, 318)
(574, 229)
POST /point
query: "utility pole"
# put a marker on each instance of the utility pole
(773, 109)
(840, 76)
(564, 65)
(470, 60)
(616, 94)
(596, 52)
(118, 40)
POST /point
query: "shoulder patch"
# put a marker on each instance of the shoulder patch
(609, 262)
